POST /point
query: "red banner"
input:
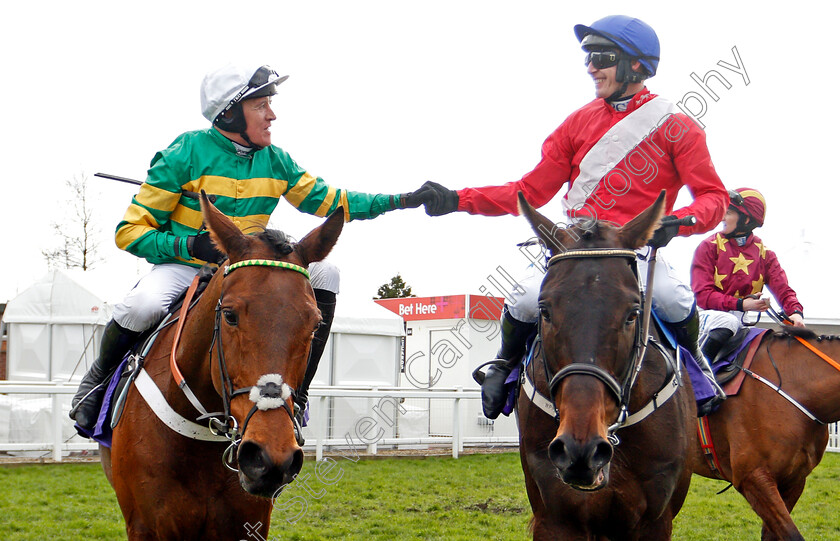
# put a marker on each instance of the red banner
(445, 307)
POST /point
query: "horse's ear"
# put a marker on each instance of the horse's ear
(555, 238)
(317, 243)
(224, 233)
(635, 233)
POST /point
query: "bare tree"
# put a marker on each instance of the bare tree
(77, 233)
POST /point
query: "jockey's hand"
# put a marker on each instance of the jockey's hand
(201, 247)
(667, 231)
(410, 200)
(755, 304)
(796, 319)
(438, 199)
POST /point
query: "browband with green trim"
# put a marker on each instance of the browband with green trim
(266, 263)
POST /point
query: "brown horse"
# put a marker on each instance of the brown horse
(765, 445)
(585, 481)
(257, 323)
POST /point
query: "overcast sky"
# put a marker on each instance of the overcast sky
(385, 95)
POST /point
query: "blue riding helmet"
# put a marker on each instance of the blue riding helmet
(633, 36)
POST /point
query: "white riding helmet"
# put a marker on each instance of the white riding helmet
(225, 87)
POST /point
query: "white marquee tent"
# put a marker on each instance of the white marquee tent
(54, 326)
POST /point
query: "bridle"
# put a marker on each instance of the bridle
(269, 392)
(619, 390)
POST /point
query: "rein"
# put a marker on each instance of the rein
(782, 320)
(775, 316)
(270, 391)
(620, 391)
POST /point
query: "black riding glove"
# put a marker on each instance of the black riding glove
(201, 247)
(438, 199)
(409, 200)
(667, 231)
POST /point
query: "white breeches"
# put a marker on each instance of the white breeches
(673, 299)
(714, 319)
(148, 302)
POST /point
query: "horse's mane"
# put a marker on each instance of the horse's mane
(280, 242)
(790, 331)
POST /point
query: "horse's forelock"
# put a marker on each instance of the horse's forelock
(598, 234)
(281, 243)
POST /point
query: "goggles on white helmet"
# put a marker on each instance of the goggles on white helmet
(262, 83)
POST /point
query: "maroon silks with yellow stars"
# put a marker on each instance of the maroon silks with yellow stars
(723, 272)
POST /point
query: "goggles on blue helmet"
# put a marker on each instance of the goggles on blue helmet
(601, 59)
(633, 37)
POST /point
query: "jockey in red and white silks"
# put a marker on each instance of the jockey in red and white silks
(637, 152)
(615, 155)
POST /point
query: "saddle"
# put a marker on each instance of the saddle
(731, 356)
(736, 353)
(119, 382)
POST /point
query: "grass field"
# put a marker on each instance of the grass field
(474, 497)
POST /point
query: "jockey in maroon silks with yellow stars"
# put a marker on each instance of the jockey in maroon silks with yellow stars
(730, 270)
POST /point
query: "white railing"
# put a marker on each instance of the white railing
(373, 428)
(377, 424)
(59, 395)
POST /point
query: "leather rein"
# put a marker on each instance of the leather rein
(619, 390)
(270, 391)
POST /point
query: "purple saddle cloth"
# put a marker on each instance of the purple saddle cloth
(102, 431)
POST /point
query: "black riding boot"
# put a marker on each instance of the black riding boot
(326, 303)
(687, 333)
(515, 335)
(116, 341)
(714, 341)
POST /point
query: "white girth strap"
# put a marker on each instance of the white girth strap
(612, 148)
(171, 418)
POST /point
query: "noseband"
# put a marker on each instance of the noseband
(620, 391)
(270, 391)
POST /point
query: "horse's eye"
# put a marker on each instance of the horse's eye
(633, 315)
(230, 317)
(545, 314)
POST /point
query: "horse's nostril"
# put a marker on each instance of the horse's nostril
(294, 463)
(558, 454)
(253, 460)
(602, 454)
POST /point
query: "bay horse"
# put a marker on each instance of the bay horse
(765, 445)
(256, 319)
(592, 472)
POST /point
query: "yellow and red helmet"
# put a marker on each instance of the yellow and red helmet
(749, 202)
